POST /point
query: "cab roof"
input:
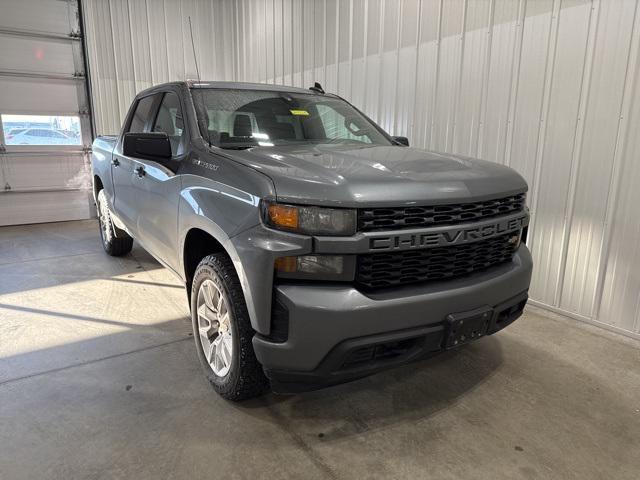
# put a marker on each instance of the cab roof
(229, 85)
(245, 86)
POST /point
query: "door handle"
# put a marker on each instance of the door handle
(140, 171)
(115, 162)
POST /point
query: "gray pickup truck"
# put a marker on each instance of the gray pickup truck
(314, 247)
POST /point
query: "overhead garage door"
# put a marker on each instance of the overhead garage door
(44, 111)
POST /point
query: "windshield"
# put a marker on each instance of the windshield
(235, 118)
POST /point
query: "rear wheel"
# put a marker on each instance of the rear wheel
(115, 242)
(223, 332)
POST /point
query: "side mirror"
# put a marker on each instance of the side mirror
(151, 146)
(401, 141)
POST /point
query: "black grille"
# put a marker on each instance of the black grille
(397, 218)
(379, 270)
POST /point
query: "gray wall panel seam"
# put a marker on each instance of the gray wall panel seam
(451, 146)
(485, 81)
(434, 93)
(542, 124)
(515, 82)
(574, 166)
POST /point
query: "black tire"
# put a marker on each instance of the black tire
(115, 242)
(245, 378)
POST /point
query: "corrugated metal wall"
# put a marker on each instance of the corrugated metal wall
(135, 44)
(549, 87)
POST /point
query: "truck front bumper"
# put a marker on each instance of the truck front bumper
(337, 333)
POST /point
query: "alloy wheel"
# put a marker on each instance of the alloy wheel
(214, 327)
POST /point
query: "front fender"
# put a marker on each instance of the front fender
(193, 220)
(232, 217)
(253, 253)
(217, 209)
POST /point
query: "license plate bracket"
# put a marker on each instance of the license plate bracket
(465, 327)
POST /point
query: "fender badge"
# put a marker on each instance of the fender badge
(200, 163)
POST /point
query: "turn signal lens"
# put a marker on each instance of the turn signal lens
(283, 216)
(287, 264)
(312, 264)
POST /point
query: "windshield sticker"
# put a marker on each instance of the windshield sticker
(299, 112)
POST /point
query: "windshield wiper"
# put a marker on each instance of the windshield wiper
(236, 146)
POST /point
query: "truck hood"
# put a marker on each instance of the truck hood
(352, 176)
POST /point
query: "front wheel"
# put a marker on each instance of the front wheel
(115, 246)
(223, 332)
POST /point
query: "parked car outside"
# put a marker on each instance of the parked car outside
(40, 136)
(14, 131)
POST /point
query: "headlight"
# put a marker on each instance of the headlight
(310, 220)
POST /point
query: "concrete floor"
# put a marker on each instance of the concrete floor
(99, 379)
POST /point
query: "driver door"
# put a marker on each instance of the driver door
(123, 168)
(157, 186)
